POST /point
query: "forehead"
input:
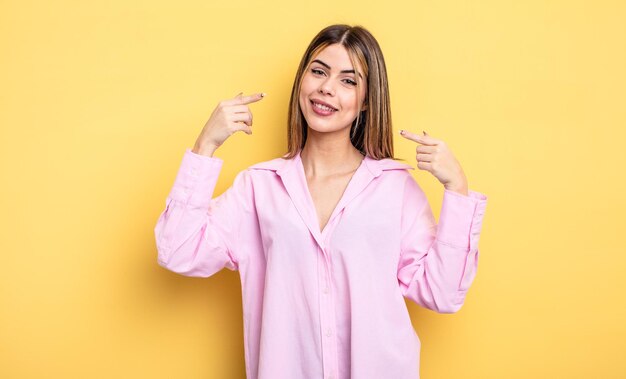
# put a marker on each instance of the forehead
(337, 57)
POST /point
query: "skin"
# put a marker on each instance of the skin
(328, 157)
(328, 149)
(434, 156)
(230, 116)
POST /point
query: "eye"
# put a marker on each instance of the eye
(351, 82)
(317, 71)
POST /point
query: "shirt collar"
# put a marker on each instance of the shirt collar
(375, 166)
(292, 175)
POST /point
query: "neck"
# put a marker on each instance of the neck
(327, 154)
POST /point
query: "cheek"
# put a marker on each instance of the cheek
(306, 86)
(304, 94)
(352, 98)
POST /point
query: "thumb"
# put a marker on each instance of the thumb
(246, 129)
(243, 127)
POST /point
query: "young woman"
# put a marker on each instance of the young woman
(329, 238)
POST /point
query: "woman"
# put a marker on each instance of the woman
(329, 238)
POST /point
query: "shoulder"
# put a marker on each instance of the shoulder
(270, 165)
(391, 170)
(268, 170)
(378, 166)
(397, 176)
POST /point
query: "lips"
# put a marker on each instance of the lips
(314, 101)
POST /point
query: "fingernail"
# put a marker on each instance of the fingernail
(263, 94)
(402, 131)
(424, 132)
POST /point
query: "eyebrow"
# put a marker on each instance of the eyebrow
(343, 71)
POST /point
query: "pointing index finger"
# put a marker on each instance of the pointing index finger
(424, 140)
(248, 99)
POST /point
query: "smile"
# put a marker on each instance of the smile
(322, 109)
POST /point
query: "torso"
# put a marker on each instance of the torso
(326, 193)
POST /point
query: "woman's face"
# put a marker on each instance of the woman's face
(330, 79)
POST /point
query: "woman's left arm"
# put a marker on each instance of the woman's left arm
(438, 263)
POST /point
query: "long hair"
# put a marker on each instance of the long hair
(371, 131)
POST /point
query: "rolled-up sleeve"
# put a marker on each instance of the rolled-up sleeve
(438, 263)
(196, 234)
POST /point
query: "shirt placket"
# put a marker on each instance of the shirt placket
(294, 180)
(327, 305)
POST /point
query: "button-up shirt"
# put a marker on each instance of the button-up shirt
(324, 303)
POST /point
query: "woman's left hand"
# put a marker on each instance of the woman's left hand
(434, 156)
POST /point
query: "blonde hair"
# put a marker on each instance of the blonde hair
(371, 132)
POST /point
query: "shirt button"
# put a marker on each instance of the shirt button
(328, 333)
(325, 289)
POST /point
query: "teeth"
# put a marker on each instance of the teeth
(323, 107)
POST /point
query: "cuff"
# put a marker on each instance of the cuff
(460, 221)
(196, 179)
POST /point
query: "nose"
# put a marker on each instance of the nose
(326, 87)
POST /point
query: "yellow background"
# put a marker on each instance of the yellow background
(100, 99)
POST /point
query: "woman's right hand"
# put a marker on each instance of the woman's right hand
(228, 117)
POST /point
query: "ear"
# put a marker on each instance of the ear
(364, 106)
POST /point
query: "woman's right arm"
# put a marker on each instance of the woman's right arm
(196, 234)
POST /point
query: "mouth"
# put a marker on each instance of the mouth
(322, 108)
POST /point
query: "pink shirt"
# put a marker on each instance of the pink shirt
(324, 304)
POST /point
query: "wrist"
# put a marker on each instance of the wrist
(462, 189)
(206, 149)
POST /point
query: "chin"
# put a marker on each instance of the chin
(324, 128)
